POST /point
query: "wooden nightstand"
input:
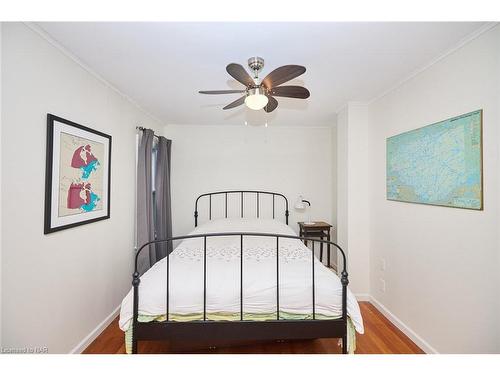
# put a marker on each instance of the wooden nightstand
(319, 229)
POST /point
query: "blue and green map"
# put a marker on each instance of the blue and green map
(439, 164)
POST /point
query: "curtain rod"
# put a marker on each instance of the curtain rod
(143, 128)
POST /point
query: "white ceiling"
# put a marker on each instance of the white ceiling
(163, 65)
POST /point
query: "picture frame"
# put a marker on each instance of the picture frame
(77, 175)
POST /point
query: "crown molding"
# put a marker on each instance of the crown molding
(47, 37)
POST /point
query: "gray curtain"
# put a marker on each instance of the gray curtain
(163, 208)
(145, 227)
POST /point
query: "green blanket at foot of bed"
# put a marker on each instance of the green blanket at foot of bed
(351, 333)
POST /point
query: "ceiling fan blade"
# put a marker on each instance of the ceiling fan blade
(236, 103)
(240, 74)
(213, 92)
(271, 104)
(283, 74)
(298, 92)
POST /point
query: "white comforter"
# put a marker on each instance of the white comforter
(223, 276)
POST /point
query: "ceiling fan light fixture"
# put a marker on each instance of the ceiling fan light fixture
(256, 98)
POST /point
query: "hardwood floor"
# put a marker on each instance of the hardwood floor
(380, 337)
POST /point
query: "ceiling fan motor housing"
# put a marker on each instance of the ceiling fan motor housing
(256, 64)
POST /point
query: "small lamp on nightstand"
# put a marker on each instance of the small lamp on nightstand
(301, 205)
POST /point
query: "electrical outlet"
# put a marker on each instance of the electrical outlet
(382, 264)
(382, 285)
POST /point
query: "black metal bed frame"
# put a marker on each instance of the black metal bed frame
(248, 330)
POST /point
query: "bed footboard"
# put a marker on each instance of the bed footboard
(278, 329)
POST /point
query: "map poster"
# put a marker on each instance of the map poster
(77, 186)
(439, 164)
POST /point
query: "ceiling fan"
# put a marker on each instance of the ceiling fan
(261, 94)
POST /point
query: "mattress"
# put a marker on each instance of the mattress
(223, 259)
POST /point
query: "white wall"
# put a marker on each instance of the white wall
(290, 160)
(334, 181)
(442, 263)
(57, 288)
(342, 206)
(353, 194)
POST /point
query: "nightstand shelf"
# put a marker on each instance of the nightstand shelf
(320, 230)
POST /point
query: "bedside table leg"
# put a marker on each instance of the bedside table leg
(321, 251)
(328, 239)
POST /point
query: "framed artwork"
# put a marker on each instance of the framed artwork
(439, 164)
(77, 175)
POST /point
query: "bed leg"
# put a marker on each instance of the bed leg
(134, 345)
(344, 344)
(345, 281)
(135, 283)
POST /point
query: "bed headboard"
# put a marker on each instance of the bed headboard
(241, 194)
